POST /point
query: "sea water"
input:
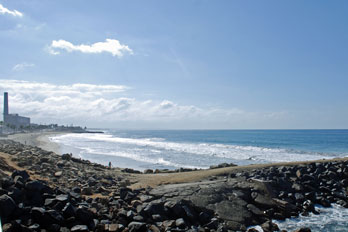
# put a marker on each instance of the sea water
(171, 149)
(332, 219)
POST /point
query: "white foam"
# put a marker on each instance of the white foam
(134, 156)
(333, 219)
(330, 219)
(235, 152)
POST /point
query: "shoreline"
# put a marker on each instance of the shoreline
(39, 139)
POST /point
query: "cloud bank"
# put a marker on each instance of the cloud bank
(111, 106)
(14, 13)
(112, 46)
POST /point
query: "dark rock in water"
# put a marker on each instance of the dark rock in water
(304, 229)
(137, 227)
(256, 211)
(269, 226)
(7, 206)
(252, 230)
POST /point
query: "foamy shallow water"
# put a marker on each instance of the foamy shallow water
(333, 219)
(154, 152)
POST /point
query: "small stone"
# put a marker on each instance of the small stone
(87, 191)
(137, 227)
(180, 223)
(58, 174)
(79, 228)
(113, 227)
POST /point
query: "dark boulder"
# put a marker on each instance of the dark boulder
(37, 214)
(68, 210)
(22, 174)
(7, 206)
(304, 229)
(84, 215)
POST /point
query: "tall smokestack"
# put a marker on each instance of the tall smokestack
(5, 103)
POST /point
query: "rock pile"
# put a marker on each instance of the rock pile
(257, 196)
(65, 171)
(32, 205)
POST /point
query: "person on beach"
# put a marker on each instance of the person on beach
(109, 164)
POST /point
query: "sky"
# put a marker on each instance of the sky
(183, 64)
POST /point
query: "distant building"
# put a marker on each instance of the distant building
(13, 119)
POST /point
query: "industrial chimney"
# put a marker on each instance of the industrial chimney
(5, 103)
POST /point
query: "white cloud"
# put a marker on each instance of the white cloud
(107, 106)
(15, 13)
(21, 66)
(112, 46)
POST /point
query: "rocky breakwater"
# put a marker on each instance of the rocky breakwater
(257, 196)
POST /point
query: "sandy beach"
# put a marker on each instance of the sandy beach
(39, 139)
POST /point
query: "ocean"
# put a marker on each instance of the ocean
(172, 149)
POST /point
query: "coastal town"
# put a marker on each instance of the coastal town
(14, 123)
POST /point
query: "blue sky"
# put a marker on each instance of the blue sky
(177, 64)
